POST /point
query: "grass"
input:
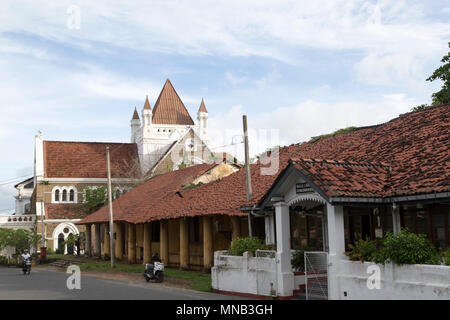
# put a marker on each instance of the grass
(339, 131)
(195, 280)
(56, 256)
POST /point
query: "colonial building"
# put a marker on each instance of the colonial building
(152, 218)
(333, 191)
(326, 194)
(166, 140)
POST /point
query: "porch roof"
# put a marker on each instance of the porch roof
(345, 179)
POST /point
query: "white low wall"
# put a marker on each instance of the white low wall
(27, 221)
(244, 274)
(398, 282)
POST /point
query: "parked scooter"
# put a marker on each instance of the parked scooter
(26, 267)
(154, 270)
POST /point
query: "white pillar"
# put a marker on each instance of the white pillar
(396, 225)
(285, 276)
(336, 246)
(269, 223)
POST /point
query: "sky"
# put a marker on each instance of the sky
(75, 70)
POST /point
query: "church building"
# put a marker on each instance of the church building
(163, 139)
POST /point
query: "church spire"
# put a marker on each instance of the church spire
(147, 104)
(202, 107)
(135, 114)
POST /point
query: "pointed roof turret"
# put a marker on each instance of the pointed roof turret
(147, 104)
(169, 109)
(135, 115)
(202, 107)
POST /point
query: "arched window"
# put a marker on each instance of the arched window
(71, 195)
(64, 195)
(118, 194)
(57, 195)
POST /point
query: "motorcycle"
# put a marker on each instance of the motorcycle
(26, 267)
(155, 270)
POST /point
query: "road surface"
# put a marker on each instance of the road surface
(46, 284)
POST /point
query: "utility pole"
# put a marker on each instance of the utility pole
(248, 176)
(111, 221)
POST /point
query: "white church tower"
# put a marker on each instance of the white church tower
(202, 118)
(161, 127)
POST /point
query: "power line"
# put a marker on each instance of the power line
(11, 180)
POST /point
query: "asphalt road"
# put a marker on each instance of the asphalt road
(46, 284)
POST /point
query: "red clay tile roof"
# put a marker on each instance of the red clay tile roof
(135, 114)
(152, 199)
(64, 211)
(169, 109)
(345, 179)
(88, 159)
(202, 107)
(415, 145)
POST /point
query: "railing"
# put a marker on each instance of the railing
(7, 219)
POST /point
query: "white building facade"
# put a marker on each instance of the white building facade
(158, 128)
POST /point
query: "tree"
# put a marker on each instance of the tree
(93, 199)
(21, 239)
(443, 74)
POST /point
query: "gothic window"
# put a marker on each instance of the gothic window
(57, 195)
(71, 195)
(64, 195)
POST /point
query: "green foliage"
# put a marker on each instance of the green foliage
(406, 247)
(21, 239)
(182, 165)
(45, 183)
(446, 257)
(298, 259)
(421, 107)
(339, 131)
(363, 250)
(248, 244)
(94, 199)
(443, 74)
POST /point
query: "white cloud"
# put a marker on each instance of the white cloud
(300, 122)
(234, 79)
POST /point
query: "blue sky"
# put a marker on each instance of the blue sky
(300, 68)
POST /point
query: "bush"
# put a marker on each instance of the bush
(363, 250)
(446, 257)
(241, 245)
(298, 259)
(406, 247)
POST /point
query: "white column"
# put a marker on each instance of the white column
(336, 245)
(285, 276)
(396, 225)
(269, 223)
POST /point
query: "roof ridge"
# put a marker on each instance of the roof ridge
(91, 142)
(383, 165)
